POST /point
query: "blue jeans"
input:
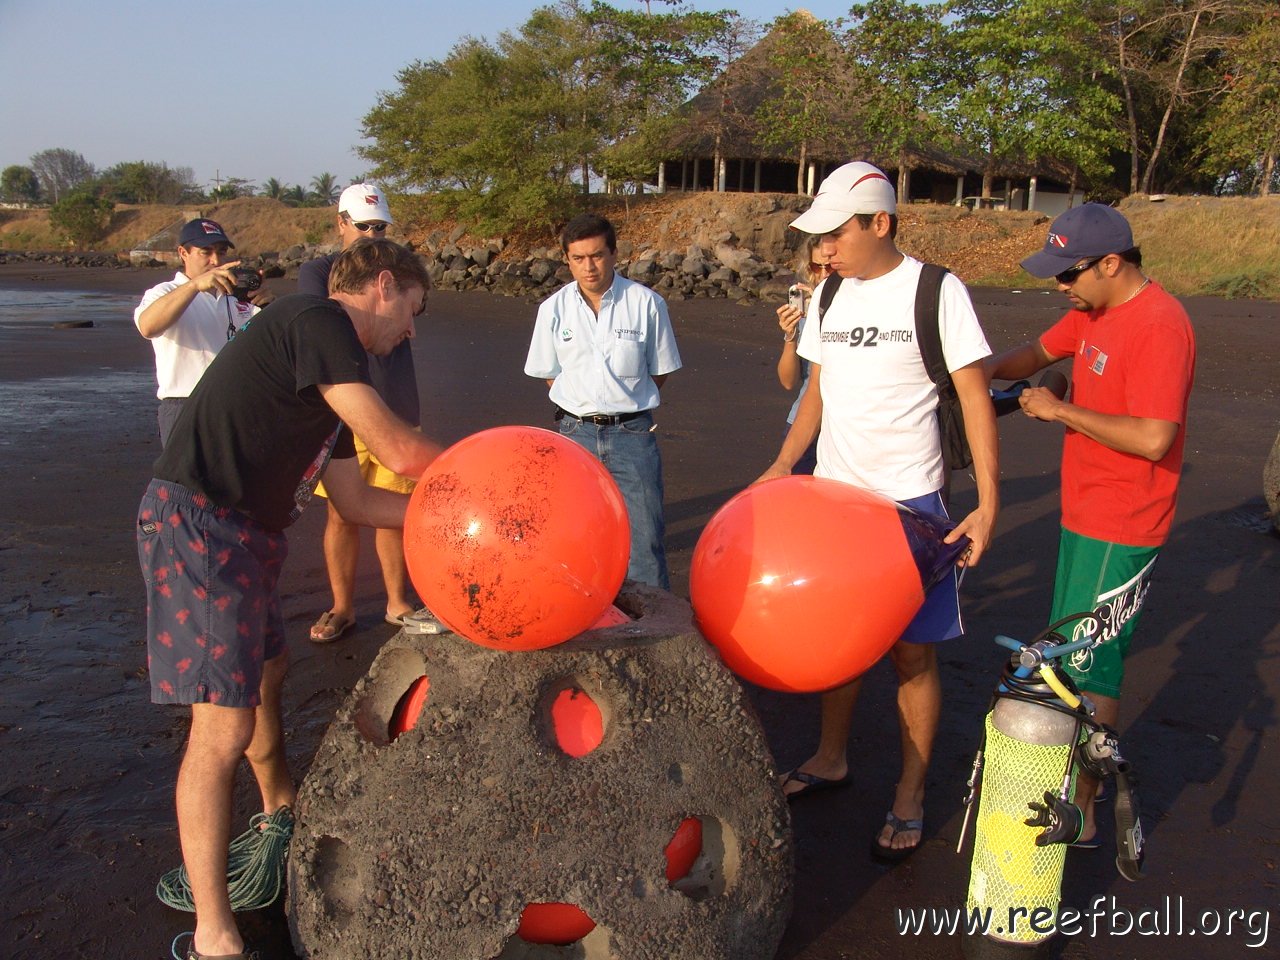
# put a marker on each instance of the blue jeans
(629, 451)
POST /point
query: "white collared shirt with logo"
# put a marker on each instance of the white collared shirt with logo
(185, 350)
(604, 363)
(879, 423)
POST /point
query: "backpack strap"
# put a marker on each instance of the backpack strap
(928, 337)
(829, 287)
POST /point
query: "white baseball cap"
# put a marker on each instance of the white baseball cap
(363, 202)
(853, 188)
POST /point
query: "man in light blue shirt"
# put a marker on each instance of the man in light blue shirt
(605, 345)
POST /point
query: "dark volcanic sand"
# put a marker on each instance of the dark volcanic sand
(86, 814)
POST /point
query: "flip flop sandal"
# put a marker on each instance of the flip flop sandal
(190, 952)
(330, 627)
(810, 783)
(417, 621)
(897, 825)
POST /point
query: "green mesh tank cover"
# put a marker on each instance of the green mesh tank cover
(1009, 872)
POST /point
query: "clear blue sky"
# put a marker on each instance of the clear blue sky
(275, 88)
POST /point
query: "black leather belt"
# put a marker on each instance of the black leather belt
(600, 419)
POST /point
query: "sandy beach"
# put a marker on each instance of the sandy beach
(86, 806)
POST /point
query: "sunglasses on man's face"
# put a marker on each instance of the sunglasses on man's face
(366, 227)
(1071, 274)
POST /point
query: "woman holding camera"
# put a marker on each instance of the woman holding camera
(792, 370)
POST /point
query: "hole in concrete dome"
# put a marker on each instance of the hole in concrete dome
(558, 924)
(612, 617)
(629, 605)
(711, 868)
(396, 674)
(405, 715)
(340, 879)
(677, 774)
(571, 718)
(683, 849)
(594, 945)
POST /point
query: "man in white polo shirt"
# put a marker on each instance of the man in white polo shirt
(190, 318)
(604, 344)
(871, 394)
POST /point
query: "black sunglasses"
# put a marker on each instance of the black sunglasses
(366, 227)
(1068, 276)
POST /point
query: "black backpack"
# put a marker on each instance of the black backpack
(955, 444)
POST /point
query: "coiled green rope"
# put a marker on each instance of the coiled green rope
(255, 866)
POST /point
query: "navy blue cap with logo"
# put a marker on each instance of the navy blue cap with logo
(203, 233)
(1090, 230)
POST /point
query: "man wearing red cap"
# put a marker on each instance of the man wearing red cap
(1133, 362)
(872, 396)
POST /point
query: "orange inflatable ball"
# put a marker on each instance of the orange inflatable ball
(517, 538)
(803, 583)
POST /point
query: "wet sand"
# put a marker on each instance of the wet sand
(86, 812)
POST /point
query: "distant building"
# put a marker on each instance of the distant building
(718, 147)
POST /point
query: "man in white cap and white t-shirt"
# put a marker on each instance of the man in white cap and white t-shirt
(872, 397)
(363, 212)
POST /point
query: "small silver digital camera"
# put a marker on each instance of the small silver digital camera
(795, 297)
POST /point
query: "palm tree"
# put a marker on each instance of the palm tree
(294, 196)
(326, 188)
(274, 189)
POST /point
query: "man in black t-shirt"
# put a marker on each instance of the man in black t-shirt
(261, 427)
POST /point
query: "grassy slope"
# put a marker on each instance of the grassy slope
(1193, 245)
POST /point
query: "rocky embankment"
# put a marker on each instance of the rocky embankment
(65, 259)
(721, 269)
(725, 271)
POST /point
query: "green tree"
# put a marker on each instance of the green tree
(144, 182)
(274, 189)
(1243, 132)
(1166, 57)
(294, 196)
(487, 129)
(1007, 94)
(230, 188)
(650, 64)
(61, 171)
(720, 113)
(325, 189)
(508, 132)
(810, 82)
(82, 217)
(19, 184)
(895, 51)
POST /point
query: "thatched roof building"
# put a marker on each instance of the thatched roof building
(720, 145)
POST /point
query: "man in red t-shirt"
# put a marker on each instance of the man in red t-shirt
(1133, 357)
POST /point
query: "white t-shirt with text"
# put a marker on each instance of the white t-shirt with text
(879, 422)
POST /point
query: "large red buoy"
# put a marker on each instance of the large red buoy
(517, 538)
(803, 583)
